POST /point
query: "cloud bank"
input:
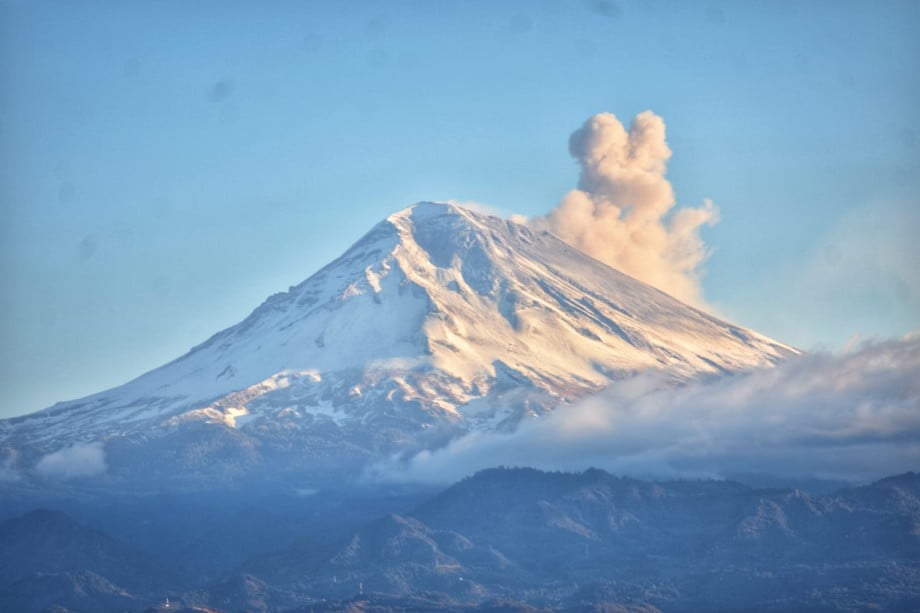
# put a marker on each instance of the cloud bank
(622, 212)
(81, 460)
(852, 416)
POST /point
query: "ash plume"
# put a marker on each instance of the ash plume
(623, 210)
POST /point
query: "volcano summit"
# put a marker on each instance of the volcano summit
(440, 320)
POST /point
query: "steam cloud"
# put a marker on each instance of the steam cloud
(621, 213)
(81, 460)
(849, 416)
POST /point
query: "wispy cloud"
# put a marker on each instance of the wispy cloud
(480, 207)
(8, 472)
(80, 460)
(854, 415)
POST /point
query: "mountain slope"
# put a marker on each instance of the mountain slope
(42, 542)
(437, 321)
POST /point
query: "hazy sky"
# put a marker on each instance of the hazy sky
(168, 165)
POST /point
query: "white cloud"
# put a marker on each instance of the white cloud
(80, 460)
(854, 415)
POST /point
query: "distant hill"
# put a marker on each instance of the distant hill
(507, 540)
(558, 539)
(50, 559)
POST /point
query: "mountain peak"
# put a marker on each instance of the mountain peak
(425, 209)
(428, 209)
(438, 317)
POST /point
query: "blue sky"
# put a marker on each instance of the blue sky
(168, 165)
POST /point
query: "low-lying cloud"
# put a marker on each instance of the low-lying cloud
(80, 460)
(852, 416)
(8, 472)
(622, 212)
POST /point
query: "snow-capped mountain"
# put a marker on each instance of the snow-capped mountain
(438, 320)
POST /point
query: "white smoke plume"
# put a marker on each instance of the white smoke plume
(623, 210)
(853, 416)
